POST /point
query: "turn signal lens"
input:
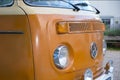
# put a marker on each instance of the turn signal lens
(109, 66)
(62, 27)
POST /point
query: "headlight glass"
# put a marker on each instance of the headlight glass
(88, 75)
(104, 47)
(61, 57)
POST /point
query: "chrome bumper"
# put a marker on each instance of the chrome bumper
(108, 74)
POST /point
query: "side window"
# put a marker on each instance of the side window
(5, 3)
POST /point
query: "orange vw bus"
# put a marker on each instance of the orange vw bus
(52, 40)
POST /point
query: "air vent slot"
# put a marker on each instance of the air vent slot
(85, 26)
(79, 27)
(98, 26)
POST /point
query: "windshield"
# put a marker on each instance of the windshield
(58, 4)
(4, 3)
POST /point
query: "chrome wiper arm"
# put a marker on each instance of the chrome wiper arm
(75, 7)
(85, 4)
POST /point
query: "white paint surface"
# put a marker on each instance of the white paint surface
(107, 7)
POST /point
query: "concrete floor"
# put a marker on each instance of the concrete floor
(115, 56)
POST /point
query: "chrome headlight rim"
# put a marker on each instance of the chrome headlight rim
(61, 57)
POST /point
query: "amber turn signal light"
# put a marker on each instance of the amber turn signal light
(62, 27)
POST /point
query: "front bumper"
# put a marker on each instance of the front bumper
(108, 74)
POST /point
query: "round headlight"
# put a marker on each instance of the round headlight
(61, 57)
(104, 47)
(88, 75)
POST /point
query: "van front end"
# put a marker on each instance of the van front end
(67, 44)
(57, 40)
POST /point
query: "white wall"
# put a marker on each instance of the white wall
(107, 7)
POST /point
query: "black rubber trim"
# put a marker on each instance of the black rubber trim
(11, 32)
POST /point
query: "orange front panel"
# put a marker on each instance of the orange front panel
(16, 59)
(45, 40)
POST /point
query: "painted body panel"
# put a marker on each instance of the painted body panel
(45, 39)
(16, 58)
(30, 54)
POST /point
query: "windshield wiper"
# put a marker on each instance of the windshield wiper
(85, 4)
(75, 6)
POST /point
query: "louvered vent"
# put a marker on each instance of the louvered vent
(85, 26)
(98, 26)
(79, 27)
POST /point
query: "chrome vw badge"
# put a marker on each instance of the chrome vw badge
(93, 50)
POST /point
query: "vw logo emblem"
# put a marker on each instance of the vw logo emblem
(93, 50)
